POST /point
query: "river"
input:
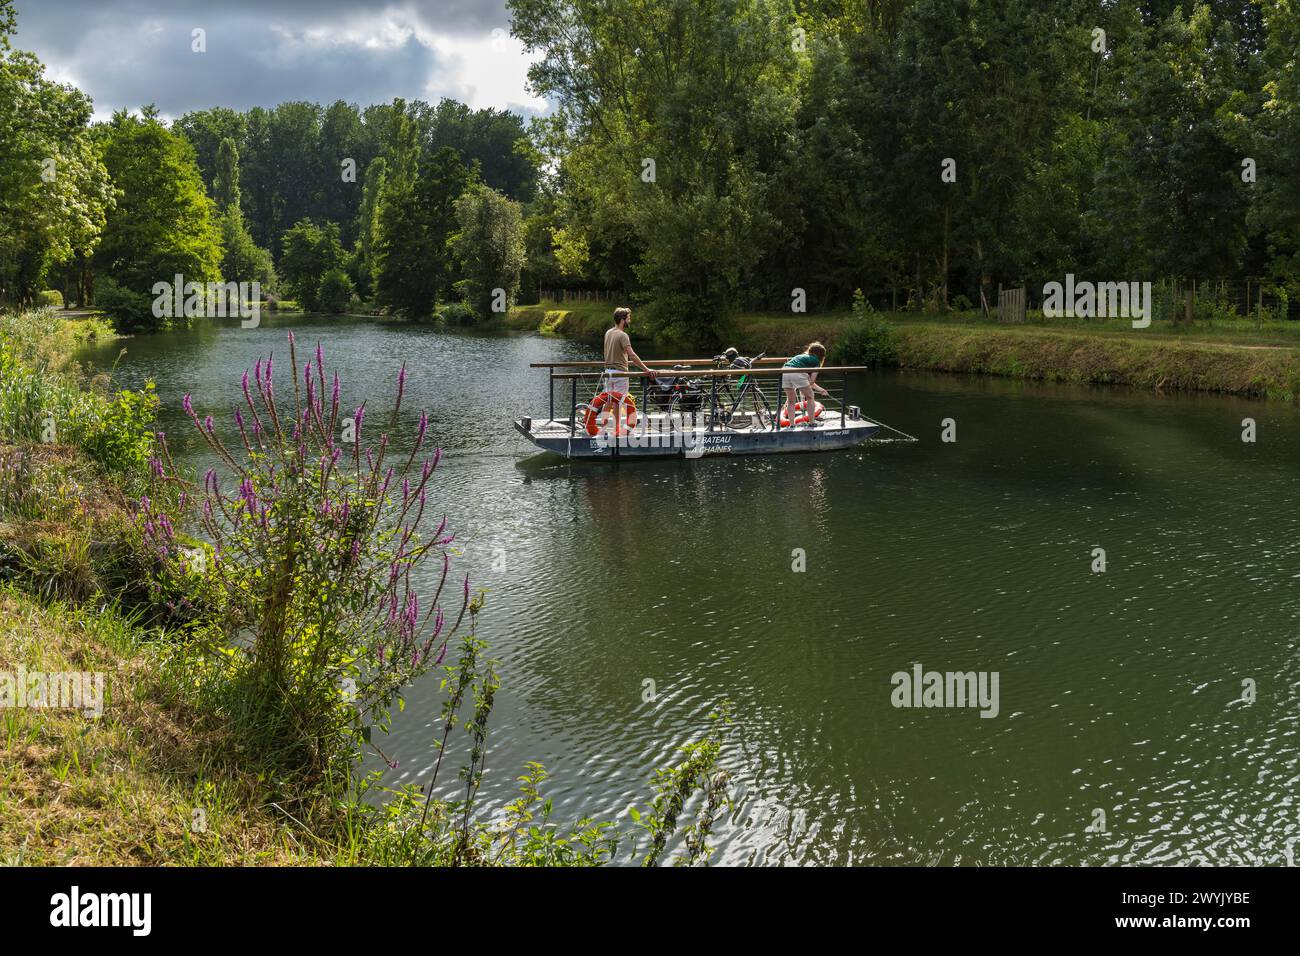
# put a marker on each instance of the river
(1123, 691)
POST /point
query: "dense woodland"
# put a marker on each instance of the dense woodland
(703, 157)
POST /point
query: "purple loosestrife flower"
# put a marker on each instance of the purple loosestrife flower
(249, 496)
(207, 424)
(320, 358)
(424, 426)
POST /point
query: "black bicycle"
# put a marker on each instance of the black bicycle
(732, 399)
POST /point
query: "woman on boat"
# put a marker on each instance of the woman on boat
(803, 382)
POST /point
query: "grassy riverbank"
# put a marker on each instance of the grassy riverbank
(1258, 360)
(243, 677)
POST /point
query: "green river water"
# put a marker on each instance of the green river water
(1119, 691)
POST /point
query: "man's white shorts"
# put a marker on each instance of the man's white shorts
(616, 380)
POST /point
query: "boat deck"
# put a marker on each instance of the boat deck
(655, 437)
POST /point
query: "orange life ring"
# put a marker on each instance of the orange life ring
(598, 403)
(818, 410)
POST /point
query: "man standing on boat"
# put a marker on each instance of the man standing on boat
(618, 349)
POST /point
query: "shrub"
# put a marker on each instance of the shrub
(457, 314)
(315, 541)
(128, 311)
(868, 339)
(50, 298)
(335, 291)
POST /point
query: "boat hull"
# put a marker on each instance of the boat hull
(555, 436)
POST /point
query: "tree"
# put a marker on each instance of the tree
(335, 291)
(416, 218)
(367, 229)
(702, 89)
(490, 248)
(310, 251)
(163, 224)
(55, 193)
(242, 260)
(1276, 213)
(206, 130)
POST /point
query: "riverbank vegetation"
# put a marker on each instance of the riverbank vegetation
(256, 626)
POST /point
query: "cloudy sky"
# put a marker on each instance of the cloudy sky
(126, 53)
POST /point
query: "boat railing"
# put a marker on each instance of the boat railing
(720, 394)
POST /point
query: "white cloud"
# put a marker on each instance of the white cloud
(261, 55)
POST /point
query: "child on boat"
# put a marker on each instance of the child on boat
(803, 381)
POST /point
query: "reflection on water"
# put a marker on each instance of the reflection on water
(1119, 691)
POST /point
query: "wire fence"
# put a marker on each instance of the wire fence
(1169, 300)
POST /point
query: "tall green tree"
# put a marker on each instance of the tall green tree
(703, 90)
(490, 249)
(1276, 213)
(416, 218)
(242, 260)
(55, 193)
(164, 224)
(311, 250)
(206, 130)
